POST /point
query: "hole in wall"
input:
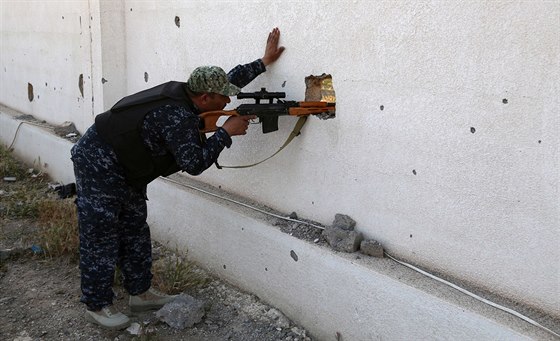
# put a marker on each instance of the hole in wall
(30, 92)
(81, 84)
(177, 21)
(294, 255)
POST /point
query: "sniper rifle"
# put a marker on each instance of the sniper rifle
(268, 113)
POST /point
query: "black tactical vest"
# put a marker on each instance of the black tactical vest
(121, 125)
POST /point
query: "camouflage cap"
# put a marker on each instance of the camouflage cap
(211, 79)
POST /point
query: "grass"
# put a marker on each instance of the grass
(59, 228)
(29, 198)
(174, 274)
(20, 198)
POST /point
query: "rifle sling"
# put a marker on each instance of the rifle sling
(295, 132)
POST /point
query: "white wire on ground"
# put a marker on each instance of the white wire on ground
(456, 287)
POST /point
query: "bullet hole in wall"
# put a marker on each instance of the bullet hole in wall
(62, 17)
(30, 92)
(382, 107)
(81, 84)
(414, 171)
(505, 101)
(265, 269)
(540, 141)
(177, 21)
(224, 266)
(146, 76)
(103, 81)
(284, 84)
(293, 255)
(473, 130)
(410, 236)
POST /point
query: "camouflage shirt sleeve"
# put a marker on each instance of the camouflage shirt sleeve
(174, 129)
(241, 75)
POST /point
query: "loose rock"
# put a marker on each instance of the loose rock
(184, 312)
(343, 222)
(343, 240)
(372, 248)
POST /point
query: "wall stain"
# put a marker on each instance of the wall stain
(30, 92)
(81, 84)
(177, 21)
(293, 255)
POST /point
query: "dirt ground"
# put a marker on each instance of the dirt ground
(39, 300)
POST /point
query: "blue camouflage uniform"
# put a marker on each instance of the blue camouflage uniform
(112, 213)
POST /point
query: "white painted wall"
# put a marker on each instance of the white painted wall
(482, 207)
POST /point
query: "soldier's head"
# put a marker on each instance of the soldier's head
(209, 88)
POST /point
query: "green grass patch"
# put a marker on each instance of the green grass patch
(175, 273)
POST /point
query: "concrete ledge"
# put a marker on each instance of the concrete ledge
(36, 145)
(361, 298)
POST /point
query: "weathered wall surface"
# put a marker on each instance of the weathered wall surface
(445, 144)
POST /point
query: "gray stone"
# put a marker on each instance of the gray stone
(343, 240)
(184, 312)
(280, 320)
(65, 129)
(372, 248)
(344, 222)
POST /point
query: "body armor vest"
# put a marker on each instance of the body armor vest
(121, 125)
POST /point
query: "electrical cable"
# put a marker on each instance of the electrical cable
(19, 126)
(454, 286)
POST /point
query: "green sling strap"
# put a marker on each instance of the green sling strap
(295, 132)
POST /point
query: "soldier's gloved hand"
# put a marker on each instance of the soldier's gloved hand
(237, 125)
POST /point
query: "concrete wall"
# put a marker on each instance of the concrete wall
(445, 144)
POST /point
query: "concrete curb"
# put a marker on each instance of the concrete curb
(329, 293)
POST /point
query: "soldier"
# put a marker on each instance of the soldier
(145, 135)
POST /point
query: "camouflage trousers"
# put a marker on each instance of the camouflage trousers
(112, 224)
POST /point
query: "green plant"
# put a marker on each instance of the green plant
(174, 274)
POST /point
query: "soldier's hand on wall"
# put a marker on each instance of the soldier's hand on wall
(272, 51)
